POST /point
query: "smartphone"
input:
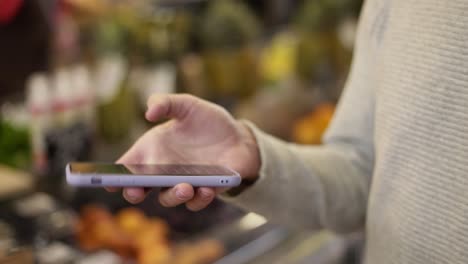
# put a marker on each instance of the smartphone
(149, 175)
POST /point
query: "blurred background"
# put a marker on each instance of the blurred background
(74, 79)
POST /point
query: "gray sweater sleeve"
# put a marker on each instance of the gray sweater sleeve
(323, 186)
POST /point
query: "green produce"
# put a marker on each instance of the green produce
(228, 24)
(110, 36)
(325, 15)
(231, 72)
(160, 37)
(113, 39)
(116, 117)
(15, 149)
(321, 57)
(228, 31)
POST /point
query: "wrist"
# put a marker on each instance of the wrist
(253, 160)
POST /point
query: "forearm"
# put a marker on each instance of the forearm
(308, 186)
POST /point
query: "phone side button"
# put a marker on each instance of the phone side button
(97, 180)
(126, 181)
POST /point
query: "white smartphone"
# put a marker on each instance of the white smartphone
(149, 175)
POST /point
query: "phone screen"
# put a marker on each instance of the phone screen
(148, 169)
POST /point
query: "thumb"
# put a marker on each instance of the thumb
(174, 106)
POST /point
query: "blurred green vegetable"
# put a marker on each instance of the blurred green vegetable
(116, 117)
(228, 24)
(228, 32)
(110, 37)
(325, 15)
(321, 57)
(15, 149)
(160, 37)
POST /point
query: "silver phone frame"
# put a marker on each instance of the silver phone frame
(135, 180)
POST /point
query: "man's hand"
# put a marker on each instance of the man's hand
(197, 132)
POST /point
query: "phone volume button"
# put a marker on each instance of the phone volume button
(96, 180)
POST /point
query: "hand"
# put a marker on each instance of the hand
(197, 132)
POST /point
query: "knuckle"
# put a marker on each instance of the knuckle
(187, 96)
(183, 194)
(152, 98)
